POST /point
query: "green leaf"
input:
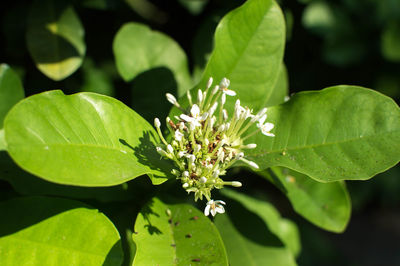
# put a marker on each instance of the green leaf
(84, 139)
(281, 88)
(249, 43)
(284, 229)
(2, 140)
(55, 38)
(184, 237)
(326, 205)
(11, 91)
(248, 235)
(342, 132)
(137, 49)
(50, 231)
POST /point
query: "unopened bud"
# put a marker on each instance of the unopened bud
(213, 108)
(249, 146)
(185, 185)
(185, 173)
(161, 151)
(199, 96)
(209, 83)
(170, 149)
(157, 122)
(236, 184)
(171, 98)
(224, 83)
(215, 90)
(223, 99)
(203, 180)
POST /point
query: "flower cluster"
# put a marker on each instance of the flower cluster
(206, 142)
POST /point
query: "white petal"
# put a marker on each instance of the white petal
(262, 120)
(204, 116)
(229, 92)
(268, 126)
(220, 209)
(195, 111)
(207, 210)
(220, 202)
(213, 211)
(186, 118)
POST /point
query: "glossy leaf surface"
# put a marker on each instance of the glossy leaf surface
(342, 132)
(184, 237)
(55, 38)
(326, 205)
(255, 234)
(53, 231)
(249, 43)
(137, 49)
(84, 139)
(11, 90)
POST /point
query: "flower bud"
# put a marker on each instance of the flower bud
(209, 83)
(224, 83)
(185, 185)
(236, 184)
(157, 122)
(203, 180)
(171, 98)
(170, 149)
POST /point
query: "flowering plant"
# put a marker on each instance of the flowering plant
(87, 180)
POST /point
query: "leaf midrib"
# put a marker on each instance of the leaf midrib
(321, 144)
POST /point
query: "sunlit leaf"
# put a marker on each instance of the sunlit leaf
(52, 231)
(342, 132)
(84, 139)
(11, 91)
(184, 237)
(248, 50)
(55, 38)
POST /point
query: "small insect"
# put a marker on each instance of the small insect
(188, 235)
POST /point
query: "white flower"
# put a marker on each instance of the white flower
(265, 128)
(196, 118)
(224, 87)
(178, 135)
(215, 207)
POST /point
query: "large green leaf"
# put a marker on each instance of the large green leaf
(52, 231)
(55, 38)
(281, 88)
(326, 205)
(284, 229)
(254, 233)
(137, 49)
(84, 139)
(11, 90)
(176, 234)
(342, 132)
(249, 44)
